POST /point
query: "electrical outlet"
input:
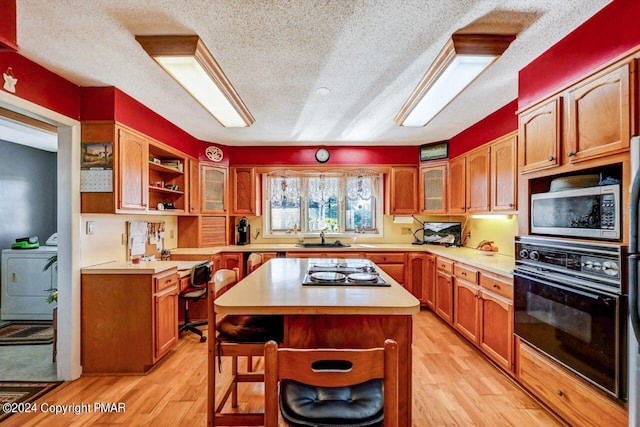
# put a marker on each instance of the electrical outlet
(406, 230)
(90, 227)
(171, 234)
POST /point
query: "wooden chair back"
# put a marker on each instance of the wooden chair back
(254, 261)
(302, 365)
(224, 279)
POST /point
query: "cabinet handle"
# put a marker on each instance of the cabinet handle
(552, 158)
(13, 277)
(495, 285)
(463, 273)
(510, 205)
(571, 154)
(560, 393)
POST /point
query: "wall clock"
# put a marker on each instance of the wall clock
(322, 155)
(213, 153)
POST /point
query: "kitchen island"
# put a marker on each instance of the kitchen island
(325, 316)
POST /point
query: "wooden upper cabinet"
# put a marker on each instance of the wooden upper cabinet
(504, 174)
(132, 167)
(477, 180)
(433, 188)
(245, 191)
(404, 190)
(457, 185)
(213, 189)
(598, 115)
(539, 130)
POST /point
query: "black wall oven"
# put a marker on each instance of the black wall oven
(569, 303)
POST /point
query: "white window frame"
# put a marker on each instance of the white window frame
(303, 228)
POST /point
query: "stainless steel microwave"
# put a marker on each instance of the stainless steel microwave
(592, 212)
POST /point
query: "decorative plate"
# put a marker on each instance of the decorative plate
(213, 153)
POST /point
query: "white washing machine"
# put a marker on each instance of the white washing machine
(25, 284)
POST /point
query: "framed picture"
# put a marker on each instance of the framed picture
(434, 151)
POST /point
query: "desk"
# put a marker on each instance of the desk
(324, 316)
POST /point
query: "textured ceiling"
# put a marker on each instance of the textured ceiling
(369, 53)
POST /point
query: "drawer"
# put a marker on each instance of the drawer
(387, 257)
(396, 271)
(165, 281)
(444, 264)
(571, 398)
(466, 273)
(500, 285)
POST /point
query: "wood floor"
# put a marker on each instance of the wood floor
(453, 385)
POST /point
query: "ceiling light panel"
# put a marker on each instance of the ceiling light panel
(189, 62)
(461, 61)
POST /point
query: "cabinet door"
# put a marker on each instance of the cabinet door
(539, 133)
(599, 116)
(233, 260)
(429, 282)
(457, 185)
(194, 187)
(503, 174)
(433, 189)
(421, 277)
(132, 171)
(477, 180)
(213, 188)
(166, 321)
(404, 190)
(496, 328)
(244, 192)
(466, 309)
(444, 296)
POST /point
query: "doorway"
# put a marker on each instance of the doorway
(67, 181)
(28, 162)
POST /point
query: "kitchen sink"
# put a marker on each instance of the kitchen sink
(336, 244)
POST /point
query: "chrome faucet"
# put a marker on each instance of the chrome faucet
(322, 237)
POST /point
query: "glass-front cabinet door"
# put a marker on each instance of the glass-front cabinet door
(214, 190)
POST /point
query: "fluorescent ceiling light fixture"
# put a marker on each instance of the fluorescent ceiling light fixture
(190, 63)
(461, 61)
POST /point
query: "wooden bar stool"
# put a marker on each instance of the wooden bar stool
(254, 261)
(237, 335)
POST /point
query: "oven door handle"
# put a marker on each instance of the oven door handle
(564, 288)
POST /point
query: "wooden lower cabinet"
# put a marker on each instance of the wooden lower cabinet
(496, 337)
(393, 263)
(566, 394)
(444, 295)
(467, 309)
(231, 260)
(129, 321)
(421, 278)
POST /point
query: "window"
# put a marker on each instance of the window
(344, 202)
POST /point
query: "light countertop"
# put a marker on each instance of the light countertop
(144, 267)
(275, 288)
(497, 264)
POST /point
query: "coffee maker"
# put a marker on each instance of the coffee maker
(243, 231)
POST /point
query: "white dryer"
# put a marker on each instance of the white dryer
(25, 284)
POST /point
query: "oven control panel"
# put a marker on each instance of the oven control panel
(586, 261)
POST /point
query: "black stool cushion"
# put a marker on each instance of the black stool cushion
(251, 328)
(354, 406)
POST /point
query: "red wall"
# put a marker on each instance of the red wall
(41, 86)
(343, 155)
(491, 127)
(609, 33)
(8, 27)
(110, 103)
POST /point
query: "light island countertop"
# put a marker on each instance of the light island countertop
(497, 264)
(276, 288)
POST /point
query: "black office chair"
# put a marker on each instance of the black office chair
(197, 290)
